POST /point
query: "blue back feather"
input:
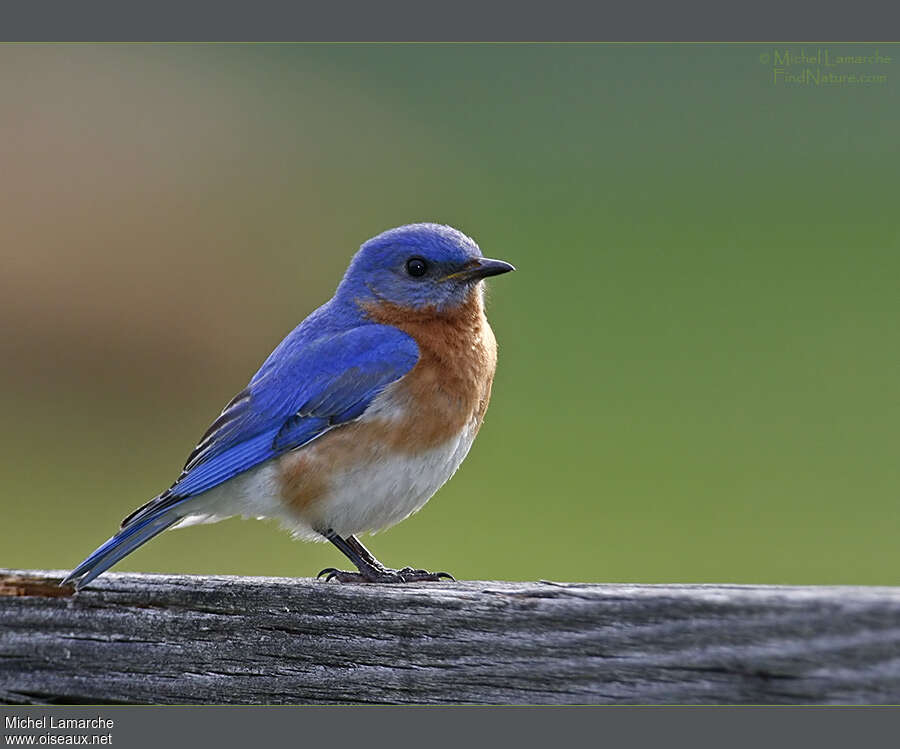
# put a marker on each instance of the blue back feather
(307, 386)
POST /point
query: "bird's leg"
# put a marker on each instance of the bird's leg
(408, 572)
(358, 547)
(370, 569)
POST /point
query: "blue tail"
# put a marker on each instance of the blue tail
(123, 543)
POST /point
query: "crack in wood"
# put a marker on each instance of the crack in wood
(30, 585)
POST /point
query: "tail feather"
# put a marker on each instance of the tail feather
(123, 543)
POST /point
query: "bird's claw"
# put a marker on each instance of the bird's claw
(411, 575)
(333, 573)
(406, 575)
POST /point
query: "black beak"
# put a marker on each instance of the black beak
(482, 268)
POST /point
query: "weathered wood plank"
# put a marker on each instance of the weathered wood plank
(183, 639)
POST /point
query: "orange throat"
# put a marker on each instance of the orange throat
(452, 380)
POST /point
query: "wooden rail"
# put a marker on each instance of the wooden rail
(183, 639)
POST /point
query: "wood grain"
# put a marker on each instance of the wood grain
(182, 639)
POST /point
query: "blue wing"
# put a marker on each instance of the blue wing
(305, 388)
(295, 397)
(300, 392)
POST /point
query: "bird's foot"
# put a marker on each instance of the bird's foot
(384, 575)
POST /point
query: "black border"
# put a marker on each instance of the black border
(463, 20)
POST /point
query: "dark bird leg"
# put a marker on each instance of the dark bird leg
(370, 569)
(358, 547)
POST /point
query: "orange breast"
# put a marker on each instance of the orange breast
(450, 386)
(447, 390)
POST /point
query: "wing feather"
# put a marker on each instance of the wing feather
(296, 396)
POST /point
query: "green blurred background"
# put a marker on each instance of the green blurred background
(698, 374)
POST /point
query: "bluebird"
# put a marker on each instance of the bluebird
(356, 418)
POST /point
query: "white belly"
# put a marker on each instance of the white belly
(380, 493)
(366, 497)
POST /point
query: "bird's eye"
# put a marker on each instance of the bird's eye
(416, 267)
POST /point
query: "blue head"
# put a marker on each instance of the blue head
(418, 266)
